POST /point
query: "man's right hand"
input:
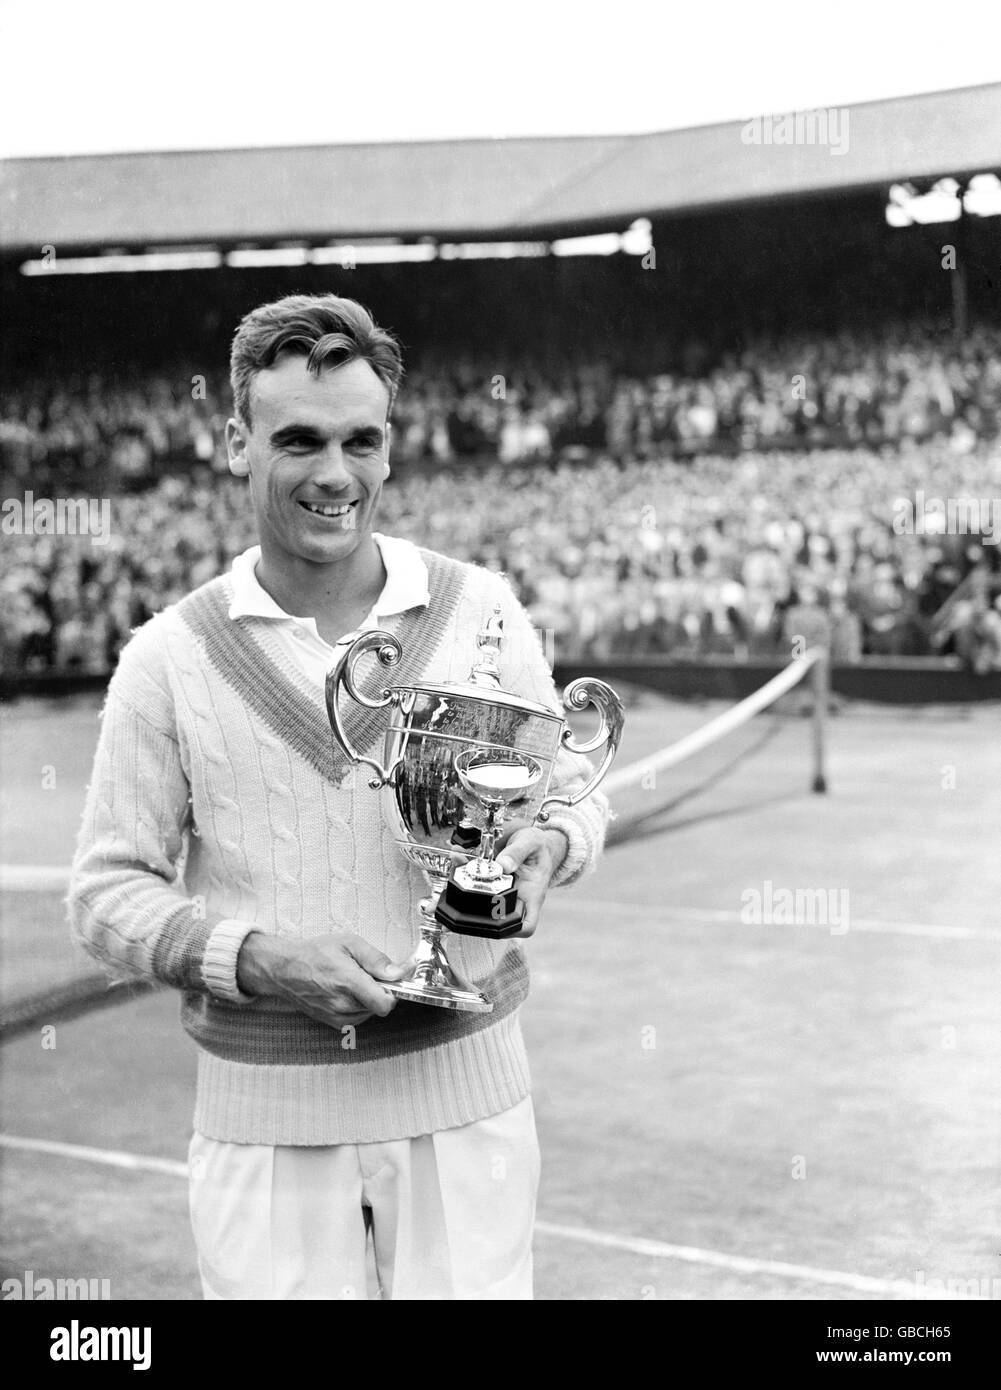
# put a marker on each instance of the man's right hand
(334, 979)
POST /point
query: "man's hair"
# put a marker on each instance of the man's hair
(325, 329)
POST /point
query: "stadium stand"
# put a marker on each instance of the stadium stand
(659, 476)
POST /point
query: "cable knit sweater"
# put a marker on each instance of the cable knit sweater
(220, 804)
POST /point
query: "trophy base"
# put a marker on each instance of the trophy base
(441, 996)
(488, 909)
(434, 981)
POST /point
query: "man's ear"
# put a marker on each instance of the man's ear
(389, 444)
(236, 448)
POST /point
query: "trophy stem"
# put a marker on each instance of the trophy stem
(434, 981)
(489, 842)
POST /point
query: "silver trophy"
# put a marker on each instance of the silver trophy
(459, 760)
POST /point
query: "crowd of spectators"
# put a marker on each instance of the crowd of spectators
(843, 391)
(727, 555)
(116, 431)
(847, 390)
(729, 509)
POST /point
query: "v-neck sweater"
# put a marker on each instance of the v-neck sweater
(220, 804)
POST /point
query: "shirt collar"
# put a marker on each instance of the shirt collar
(406, 583)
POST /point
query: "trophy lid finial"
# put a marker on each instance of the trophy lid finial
(486, 670)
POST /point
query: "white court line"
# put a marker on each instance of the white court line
(109, 1158)
(633, 1245)
(661, 1250)
(727, 917)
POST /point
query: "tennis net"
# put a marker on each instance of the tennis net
(720, 763)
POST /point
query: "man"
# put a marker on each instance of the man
(229, 850)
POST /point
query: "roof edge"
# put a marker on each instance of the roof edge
(483, 140)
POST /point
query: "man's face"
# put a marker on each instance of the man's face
(316, 455)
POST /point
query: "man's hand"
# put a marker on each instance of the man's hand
(334, 979)
(535, 855)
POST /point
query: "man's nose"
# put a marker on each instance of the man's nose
(331, 468)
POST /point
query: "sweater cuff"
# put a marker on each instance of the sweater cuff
(580, 855)
(219, 960)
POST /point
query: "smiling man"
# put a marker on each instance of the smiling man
(229, 851)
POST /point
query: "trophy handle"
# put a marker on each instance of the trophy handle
(577, 696)
(341, 675)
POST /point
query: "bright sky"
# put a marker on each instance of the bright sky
(172, 74)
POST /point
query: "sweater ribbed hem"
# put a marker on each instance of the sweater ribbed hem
(400, 1097)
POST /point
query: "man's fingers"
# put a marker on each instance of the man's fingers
(510, 829)
(330, 977)
(371, 996)
(523, 845)
(375, 962)
(351, 991)
(532, 853)
(395, 971)
(369, 957)
(531, 897)
(355, 985)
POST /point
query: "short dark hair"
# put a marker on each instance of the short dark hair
(326, 329)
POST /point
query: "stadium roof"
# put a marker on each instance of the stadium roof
(483, 188)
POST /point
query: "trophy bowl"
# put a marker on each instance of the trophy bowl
(456, 758)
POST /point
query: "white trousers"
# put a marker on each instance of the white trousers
(450, 1214)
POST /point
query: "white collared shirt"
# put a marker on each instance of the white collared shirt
(406, 587)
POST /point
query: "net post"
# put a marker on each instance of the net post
(820, 679)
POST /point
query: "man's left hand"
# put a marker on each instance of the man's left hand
(534, 854)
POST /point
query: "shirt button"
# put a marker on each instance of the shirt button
(298, 632)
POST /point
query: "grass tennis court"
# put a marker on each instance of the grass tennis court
(727, 1110)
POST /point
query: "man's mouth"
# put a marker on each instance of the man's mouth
(329, 509)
